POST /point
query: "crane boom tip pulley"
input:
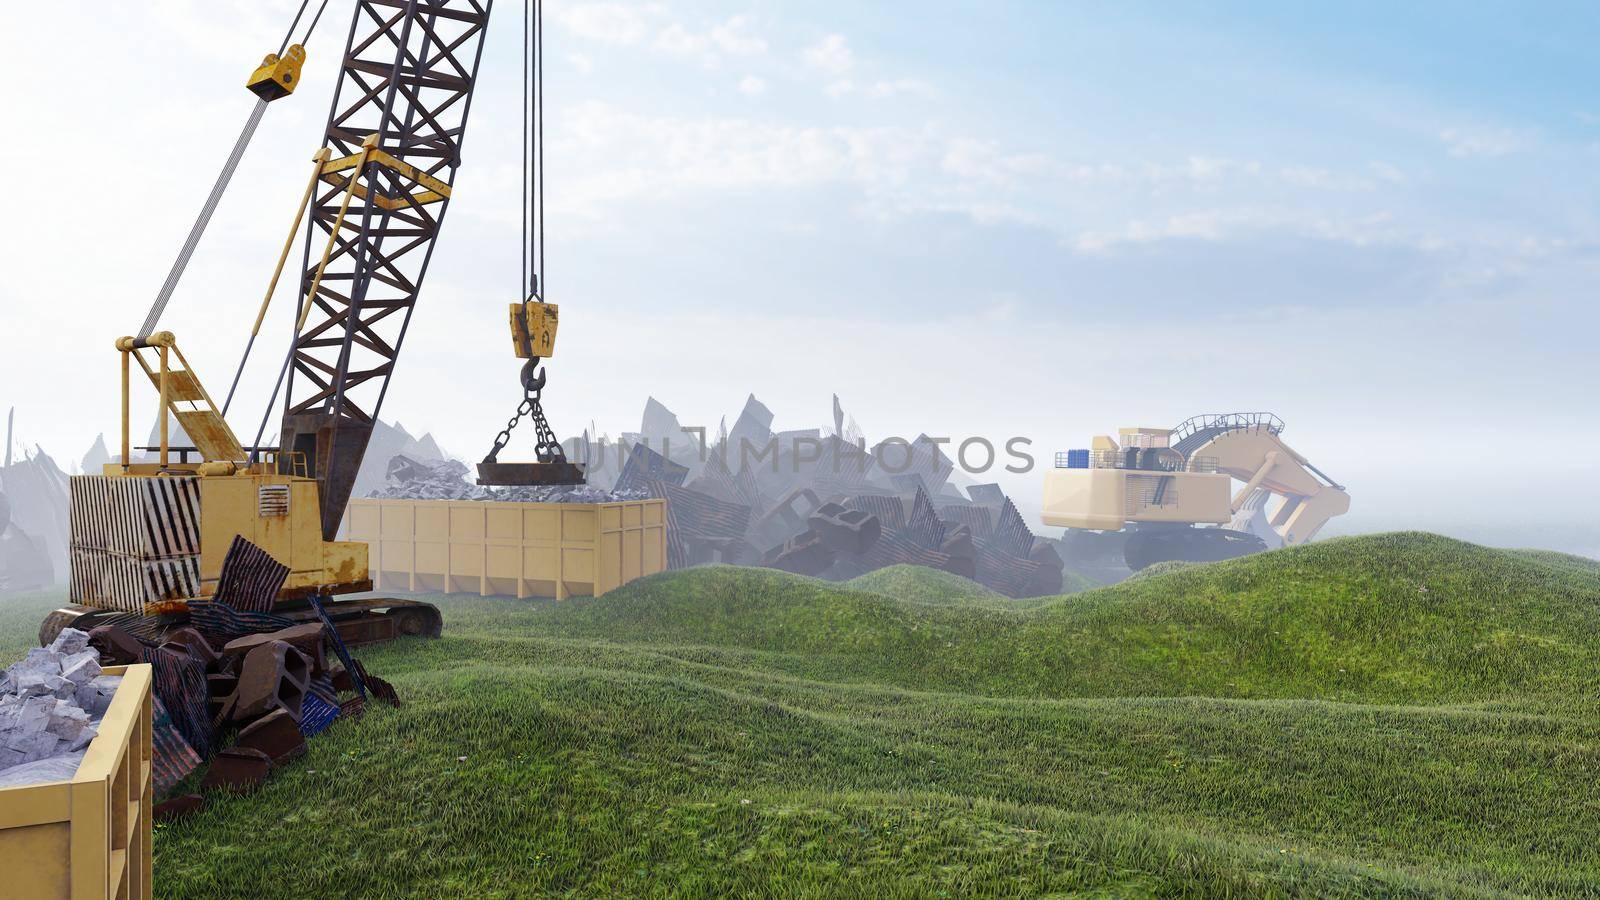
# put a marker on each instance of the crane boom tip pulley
(278, 74)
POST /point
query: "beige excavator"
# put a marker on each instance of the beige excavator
(1156, 494)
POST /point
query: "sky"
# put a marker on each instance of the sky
(997, 219)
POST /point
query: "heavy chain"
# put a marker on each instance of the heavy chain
(546, 449)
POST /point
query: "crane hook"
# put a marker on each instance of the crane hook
(531, 382)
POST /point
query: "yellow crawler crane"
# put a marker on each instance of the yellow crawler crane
(1155, 494)
(149, 535)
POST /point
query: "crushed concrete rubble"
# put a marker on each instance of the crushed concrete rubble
(447, 479)
(813, 501)
(824, 501)
(51, 704)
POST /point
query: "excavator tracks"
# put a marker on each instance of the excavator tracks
(1147, 546)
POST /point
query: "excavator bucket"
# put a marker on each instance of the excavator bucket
(535, 474)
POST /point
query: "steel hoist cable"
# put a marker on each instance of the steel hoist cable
(532, 287)
(204, 219)
(209, 208)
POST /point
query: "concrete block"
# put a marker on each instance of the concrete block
(33, 684)
(34, 747)
(84, 738)
(70, 642)
(851, 531)
(178, 807)
(238, 769)
(67, 722)
(34, 716)
(805, 554)
(273, 676)
(81, 668)
(276, 734)
(95, 696)
(308, 639)
(60, 688)
(195, 644)
(42, 660)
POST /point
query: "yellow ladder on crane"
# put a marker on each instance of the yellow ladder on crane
(183, 397)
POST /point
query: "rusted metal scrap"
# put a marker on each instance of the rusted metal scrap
(274, 676)
(240, 770)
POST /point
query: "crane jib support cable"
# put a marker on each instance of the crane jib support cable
(204, 219)
(198, 229)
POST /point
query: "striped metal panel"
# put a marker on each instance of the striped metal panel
(145, 517)
(896, 547)
(170, 511)
(888, 508)
(700, 515)
(172, 758)
(222, 623)
(107, 580)
(924, 525)
(179, 680)
(976, 518)
(1004, 572)
(250, 577)
(645, 465)
(1011, 533)
(134, 540)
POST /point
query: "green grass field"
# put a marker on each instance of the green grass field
(1389, 715)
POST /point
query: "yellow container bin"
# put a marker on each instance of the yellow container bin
(88, 837)
(509, 549)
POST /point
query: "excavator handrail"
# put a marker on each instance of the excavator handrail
(1218, 423)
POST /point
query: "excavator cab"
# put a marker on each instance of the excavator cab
(1157, 494)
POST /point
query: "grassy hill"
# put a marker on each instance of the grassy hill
(920, 584)
(1393, 618)
(1389, 715)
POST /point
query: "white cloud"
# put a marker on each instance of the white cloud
(831, 55)
(752, 85)
(610, 23)
(1241, 223)
(881, 90)
(731, 38)
(899, 86)
(580, 63)
(1489, 142)
(1386, 172)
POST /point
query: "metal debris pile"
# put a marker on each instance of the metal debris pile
(51, 703)
(426, 479)
(244, 689)
(33, 520)
(810, 501)
(238, 685)
(410, 478)
(821, 503)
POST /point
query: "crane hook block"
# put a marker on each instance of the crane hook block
(278, 76)
(533, 329)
